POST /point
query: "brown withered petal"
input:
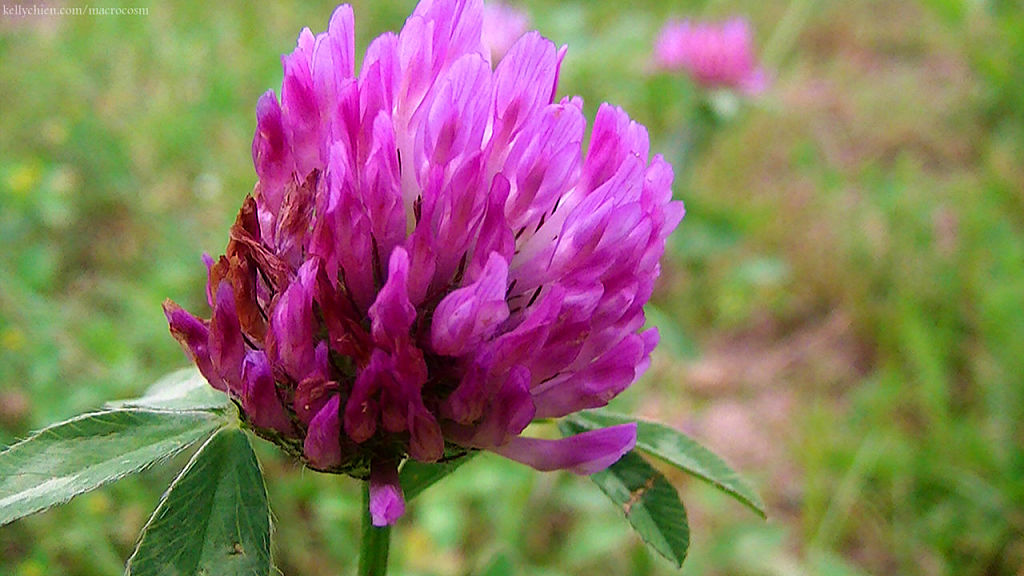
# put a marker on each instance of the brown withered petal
(276, 270)
(296, 216)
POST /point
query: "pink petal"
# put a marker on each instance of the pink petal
(392, 314)
(583, 454)
(387, 503)
(227, 348)
(259, 395)
(595, 385)
(322, 445)
(290, 336)
(471, 314)
(194, 336)
(524, 82)
(271, 153)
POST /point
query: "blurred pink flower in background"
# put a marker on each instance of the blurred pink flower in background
(503, 25)
(714, 55)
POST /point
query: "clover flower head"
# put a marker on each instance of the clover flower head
(428, 261)
(714, 55)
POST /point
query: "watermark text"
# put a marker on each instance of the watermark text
(37, 10)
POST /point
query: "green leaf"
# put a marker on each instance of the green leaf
(416, 476)
(650, 502)
(88, 451)
(214, 520)
(184, 389)
(680, 451)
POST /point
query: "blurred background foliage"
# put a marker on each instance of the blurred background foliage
(841, 309)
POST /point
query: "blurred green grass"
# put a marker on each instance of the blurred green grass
(841, 306)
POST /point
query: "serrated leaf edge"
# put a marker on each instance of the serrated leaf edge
(113, 478)
(753, 501)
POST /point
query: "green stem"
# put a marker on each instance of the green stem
(373, 555)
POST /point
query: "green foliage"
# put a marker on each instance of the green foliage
(86, 452)
(877, 182)
(416, 476)
(649, 502)
(184, 389)
(214, 519)
(679, 450)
